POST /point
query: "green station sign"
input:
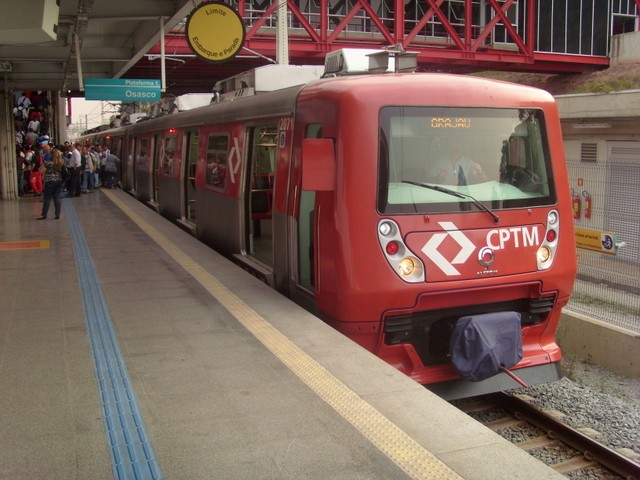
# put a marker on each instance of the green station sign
(122, 89)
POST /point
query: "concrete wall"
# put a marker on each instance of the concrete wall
(599, 343)
(611, 121)
(625, 48)
(599, 105)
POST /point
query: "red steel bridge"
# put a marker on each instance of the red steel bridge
(550, 36)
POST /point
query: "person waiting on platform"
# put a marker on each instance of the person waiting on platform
(74, 163)
(87, 170)
(38, 159)
(111, 170)
(21, 165)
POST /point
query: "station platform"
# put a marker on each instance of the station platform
(128, 349)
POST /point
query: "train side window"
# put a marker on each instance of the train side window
(314, 130)
(306, 272)
(115, 146)
(259, 185)
(168, 155)
(264, 155)
(143, 148)
(217, 154)
(131, 181)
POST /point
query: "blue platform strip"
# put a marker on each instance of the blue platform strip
(132, 454)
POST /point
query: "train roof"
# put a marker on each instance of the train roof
(431, 89)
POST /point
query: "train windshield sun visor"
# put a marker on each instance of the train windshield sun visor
(446, 159)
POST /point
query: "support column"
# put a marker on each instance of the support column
(60, 119)
(8, 167)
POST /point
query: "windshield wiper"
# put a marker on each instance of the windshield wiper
(438, 188)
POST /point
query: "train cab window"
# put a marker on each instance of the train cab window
(305, 225)
(442, 159)
(217, 154)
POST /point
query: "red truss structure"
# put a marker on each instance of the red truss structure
(447, 35)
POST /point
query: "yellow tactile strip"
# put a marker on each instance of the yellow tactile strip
(399, 447)
(24, 245)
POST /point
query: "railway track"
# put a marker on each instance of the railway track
(574, 453)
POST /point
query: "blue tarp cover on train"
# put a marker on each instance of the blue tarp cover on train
(482, 344)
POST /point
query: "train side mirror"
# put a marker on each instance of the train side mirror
(318, 165)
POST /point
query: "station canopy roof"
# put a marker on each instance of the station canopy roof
(116, 39)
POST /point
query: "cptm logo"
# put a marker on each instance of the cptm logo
(496, 239)
(431, 248)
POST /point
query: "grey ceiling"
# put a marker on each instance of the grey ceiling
(113, 36)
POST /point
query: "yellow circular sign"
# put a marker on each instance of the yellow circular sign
(215, 32)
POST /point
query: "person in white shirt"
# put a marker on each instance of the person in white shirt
(456, 168)
(34, 126)
(87, 170)
(73, 161)
(24, 102)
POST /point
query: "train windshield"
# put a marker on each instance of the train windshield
(446, 159)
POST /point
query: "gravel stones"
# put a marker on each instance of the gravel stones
(593, 398)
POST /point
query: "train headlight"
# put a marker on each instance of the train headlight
(385, 229)
(544, 254)
(547, 250)
(407, 266)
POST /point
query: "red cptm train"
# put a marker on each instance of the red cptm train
(425, 216)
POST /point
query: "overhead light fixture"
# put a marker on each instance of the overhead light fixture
(168, 58)
(5, 66)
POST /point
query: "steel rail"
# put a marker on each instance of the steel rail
(589, 447)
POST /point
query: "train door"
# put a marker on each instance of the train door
(306, 234)
(259, 180)
(143, 180)
(131, 166)
(114, 145)
(155, 167)
(189, 175)
(145, 170)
